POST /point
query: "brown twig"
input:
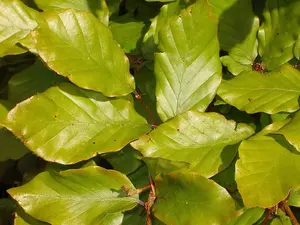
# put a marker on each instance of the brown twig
(139, 97)
(268, 216)
(290, 213)
(150, 202)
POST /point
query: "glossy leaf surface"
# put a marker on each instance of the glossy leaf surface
(196, 138)
(94, 60)
(77, 124)
(188, 71)
(16, 22)
(271, 92)
(91, 195)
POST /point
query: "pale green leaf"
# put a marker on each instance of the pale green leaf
(271, 92)
(28, 82)
(202, 139)
(297, 48)
(188, 71)
(151, 39)
(76, 125)
(262, 161)
(16, 22)
(235, 67)
(250, 216)
(294, 198)
(15, 50)
(93, 60)
(279, 32)
(97, 7)
(291, 131)
(281, 219)
(92, 195)
(188, 198)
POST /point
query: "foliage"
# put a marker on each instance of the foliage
(156, 112)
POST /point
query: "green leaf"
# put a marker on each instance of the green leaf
(294, 198)
(238, 28)
(291, 131)
(126, 161)
(201, 139)
(15, 50)
(262, 161)
(281, 219)
(93, 60)
(7, 208)
(91, 195)
(250, 216)
(34, 79)
(97, 7)
(271, 92)
(279, 32)
(127, 34)
(188, 71)
(5, 107)
(188, 198)
(12, 148)
(158, 166)
(151, 39)
(16, 22)
(77, 124)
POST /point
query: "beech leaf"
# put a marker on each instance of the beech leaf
(91, 195)
(67, 124)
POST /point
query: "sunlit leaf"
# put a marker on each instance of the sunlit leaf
(76, 125)
(188, 198)
(188, 71)
(271, 92)
(16, 22)
(97, 7)
(93, 60)
(91, 195)
(196, 138)
(262, 161)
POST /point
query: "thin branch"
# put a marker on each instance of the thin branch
(290, 213)
(139, 97)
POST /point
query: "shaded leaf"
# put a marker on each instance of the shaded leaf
(291, 131)
(94, 60)
(294, 198)
(263, 161)
(196, 138)
(15, 50)
(12, 148)
(279, 32)
(126, 161)
(158, 166)
(188, 198)
(16, 22)
(271, 92)
(188, 71)
(91, 195)
(28, 82)
(237, 32)
(250, 216)
(127, 34)
(77, 124)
